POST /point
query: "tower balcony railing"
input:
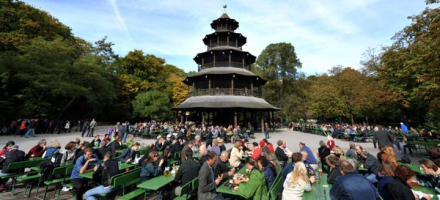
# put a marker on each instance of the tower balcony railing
(225, 43)
(224, 91)
(225, 64)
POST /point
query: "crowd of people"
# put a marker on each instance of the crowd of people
(351, 172)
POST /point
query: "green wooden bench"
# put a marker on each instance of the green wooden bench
(276, 188)
(128, 178)
(185, 192)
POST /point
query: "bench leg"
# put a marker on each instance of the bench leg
(45, 192)
(12, 187)
(28, 187)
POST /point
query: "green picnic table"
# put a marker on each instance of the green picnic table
(319, 189)
(415, 168)
(156, 183)
(122, 166)
(197, 155)
(222, 188)
(427, 190)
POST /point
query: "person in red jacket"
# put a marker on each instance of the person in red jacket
(38, 150)
(269, 146)
(257, 149)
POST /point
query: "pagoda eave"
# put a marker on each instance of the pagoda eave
(225, 101)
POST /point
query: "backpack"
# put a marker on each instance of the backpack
(405, 159)
(46, 170)
(56, 158)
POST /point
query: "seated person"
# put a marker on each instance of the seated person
(103, 149)
(371, 164)
(80, 151)
(399, 188)
(297, 182)
(255, 185)
(53, 147)
(385, 175)
(83, 165)
(13, 155)
(95, 142)
(130, 140)
(221, 167)
(116, 145)
(69, 152)
(102, 175)
(207, 181)
(335, 171)
(38, 150)
(149, 169)
(430, 169)
(296, 157)
(129, 154)
(350, 185)
(187, 171)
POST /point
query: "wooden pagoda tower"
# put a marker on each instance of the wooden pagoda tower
(225, 91)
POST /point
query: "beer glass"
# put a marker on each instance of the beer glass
(166, 173)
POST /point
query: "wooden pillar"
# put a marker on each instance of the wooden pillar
(242, 60)
(273, 117)
(194, 88)
(230, 60)
(203, 118)
(236, 42)
(214, 61)
(208, 118)
(232, 85)
(227, 40)
(181, 116)
(209, 87)
(262, 122)
(235, 119)
(203, 61)
(252, 87)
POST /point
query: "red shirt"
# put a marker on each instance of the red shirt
(256, 153)
(330, 144)
(270, 147)
(37, 151)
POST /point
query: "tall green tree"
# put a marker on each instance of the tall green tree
(151, 105)
(278, 64)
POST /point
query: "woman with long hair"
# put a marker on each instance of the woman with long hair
(389, 155)
(255, 185)
(297, 182)
(149, 170)
(6, 148)
(236, 154)
(385, 175)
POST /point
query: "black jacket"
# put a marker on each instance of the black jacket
(372, 164)
(127, 154)
(176, 147)
(114, 146)
(105, 171)
(335, 173)
(399, 190)
(159, 146)
(382, 138)
(102, 151)
(13, 156)
(281, 156)
(221, 167)
(187, 172)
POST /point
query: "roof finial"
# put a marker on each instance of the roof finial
(224, 7)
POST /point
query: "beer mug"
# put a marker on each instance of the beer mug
(320, 172)
(166, 173)
(247, 173)
(177, 168)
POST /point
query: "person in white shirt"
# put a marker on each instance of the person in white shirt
(297, 182)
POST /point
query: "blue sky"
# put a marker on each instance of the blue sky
(325, 33)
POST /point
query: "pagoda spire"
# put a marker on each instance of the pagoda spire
(224, 7)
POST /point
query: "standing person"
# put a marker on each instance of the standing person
(297, 182)
(83, 165)
(22, 129)
(84, 128)
(310, 157)
(207, 181)
(13, 155)
(30, 129)
(404, 128)
(381, 137)
(350, 185)
(266, 130)
(66, 127)
(110, 131)
(255, 185)
(93, 125)
(108, 169)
